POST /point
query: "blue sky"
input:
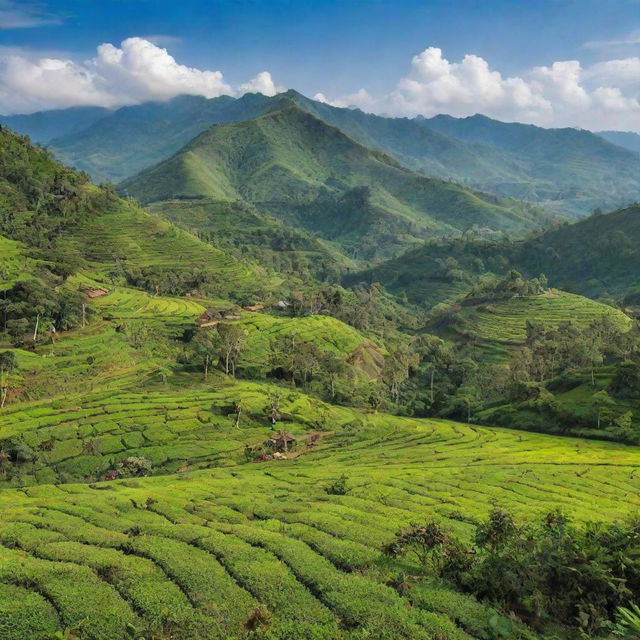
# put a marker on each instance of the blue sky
(338, 47)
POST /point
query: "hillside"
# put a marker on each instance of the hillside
(596, 257)
(196, 553)
(308, 174)
(145, 490)
(496, 327)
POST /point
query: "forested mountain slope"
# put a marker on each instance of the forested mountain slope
(308, 174)
(596, 257)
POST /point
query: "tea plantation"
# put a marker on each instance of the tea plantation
(194, 554)
(498, 326)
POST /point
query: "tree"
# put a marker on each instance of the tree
(8, 362)
(602, 403)
(207, 344)
(232, 338)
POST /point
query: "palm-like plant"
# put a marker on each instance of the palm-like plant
(628, 622)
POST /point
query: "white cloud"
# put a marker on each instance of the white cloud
(262, 83)
(134, 72)
(602, 96)
(24, 15)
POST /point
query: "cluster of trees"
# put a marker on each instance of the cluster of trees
(31, 307)
(514, 285)
(545, 572)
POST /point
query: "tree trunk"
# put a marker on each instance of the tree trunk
(226, 363)
(432, 375)
(3, 399)
(35, 331)
(206, 366)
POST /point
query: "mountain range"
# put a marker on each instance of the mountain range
(295, 167)
(568, 171)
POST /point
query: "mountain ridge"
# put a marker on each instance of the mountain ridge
(296, 167)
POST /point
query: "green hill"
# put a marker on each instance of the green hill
(308, 174)
(596, 257)
(194, 554)
(496, 327)
(140, 491)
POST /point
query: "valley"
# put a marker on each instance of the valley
(293, 379)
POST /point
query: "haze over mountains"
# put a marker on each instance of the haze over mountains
(568, 171)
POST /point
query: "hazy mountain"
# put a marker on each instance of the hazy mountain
(566, 170)
(311, 175)
(627, 139)
(134, 138)
(42, 126)
(569, 170)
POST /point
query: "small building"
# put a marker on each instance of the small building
(210, 318)
(281, 305)
(254, 307)
(95, 292)
(281, 441)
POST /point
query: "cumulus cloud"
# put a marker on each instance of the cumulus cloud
(134, 72)
(24, 15)
(604, 95)
(262, 83)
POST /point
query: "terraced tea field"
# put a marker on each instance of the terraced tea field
(498, 326)
(196, 553)
(134, 238)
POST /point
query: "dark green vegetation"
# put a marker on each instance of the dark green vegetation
(204, 435)
(597, 257)
(568, 171)
(294, 167)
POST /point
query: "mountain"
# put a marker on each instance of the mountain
(295, 167)
(568, 170)
(43, 126)
(627, 139)
(596, 257)
(133, 138)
